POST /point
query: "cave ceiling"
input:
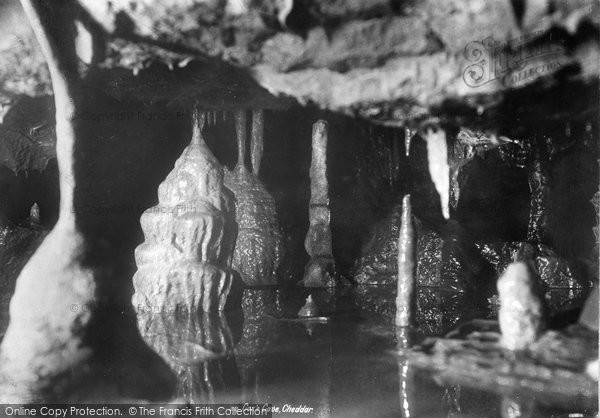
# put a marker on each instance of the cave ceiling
(483, 64)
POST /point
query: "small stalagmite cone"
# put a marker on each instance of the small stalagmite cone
(521, 311)
(439, 169)
(34, 214)
(309, 309)
(406, 266)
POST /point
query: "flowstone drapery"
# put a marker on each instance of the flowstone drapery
(186, 258)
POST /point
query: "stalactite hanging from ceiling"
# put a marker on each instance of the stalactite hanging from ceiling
(437, 159)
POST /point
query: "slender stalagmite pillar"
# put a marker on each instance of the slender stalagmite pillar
(257, 144)
(437, 158)
(320, 270)
(259, 244)
(406, 266)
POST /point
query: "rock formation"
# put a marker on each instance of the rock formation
(437, 158)
(320, 269)
(186, 258)
(406, 266)
(521, 310)
(259, 246)
(66, 296)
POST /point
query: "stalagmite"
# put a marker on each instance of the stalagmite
(34, 214)
(65, 299)
(309, 309)
(320, 269)
(437, 157)
(185, 261)
(521, 311)
(259, 245)
(406, 266)
(257, 138)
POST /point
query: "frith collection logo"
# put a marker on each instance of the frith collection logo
(513, 62)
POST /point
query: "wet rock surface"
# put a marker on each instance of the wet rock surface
(552, 369)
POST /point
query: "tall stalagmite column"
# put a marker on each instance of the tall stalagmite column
(259, 245)
(185, 261)
(406, 266)
(320, 270)
(65, 307)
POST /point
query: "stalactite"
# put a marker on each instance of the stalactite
(521, 312)
(320, 269)
(437, 157)
(406, 266)
(257, 140)
(259, 246)
(408, 134)
(185, 261)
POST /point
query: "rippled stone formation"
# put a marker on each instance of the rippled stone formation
(521, 311)
(185, 260)
(259, 244)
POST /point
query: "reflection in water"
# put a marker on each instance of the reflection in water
(405, 374)
(349, 366)
(452, 401)
(199, 349)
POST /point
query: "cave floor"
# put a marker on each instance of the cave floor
(345, 363)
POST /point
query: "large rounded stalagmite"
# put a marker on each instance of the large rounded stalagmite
(259, 246)
(185, 261)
